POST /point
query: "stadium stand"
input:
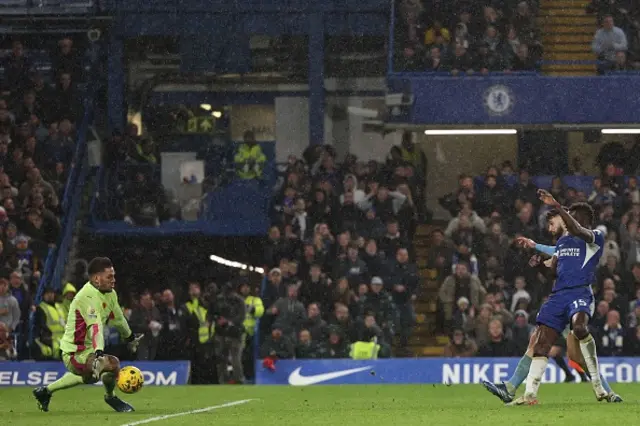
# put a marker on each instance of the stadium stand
(483, 276)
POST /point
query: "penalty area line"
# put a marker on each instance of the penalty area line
(186, 413)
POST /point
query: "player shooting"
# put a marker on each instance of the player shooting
(574, 261)
(506, 390)
(82, 345)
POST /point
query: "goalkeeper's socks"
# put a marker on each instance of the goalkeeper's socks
(559, 360)
(109, 382)
(67, 381)
(522, 369)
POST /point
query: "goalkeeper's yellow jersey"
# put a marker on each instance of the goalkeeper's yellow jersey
(88, 314)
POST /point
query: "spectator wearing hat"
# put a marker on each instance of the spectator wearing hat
(49, 327)
(68, 293)
(520, 294)
(379, 302)
(521, 330)
(460, 345)
(336, 345)
(463, 314)
(633, 319)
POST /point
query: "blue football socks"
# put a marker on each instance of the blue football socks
(520, 375)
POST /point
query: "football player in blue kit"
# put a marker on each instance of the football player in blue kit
(578, 251)
(506, 390)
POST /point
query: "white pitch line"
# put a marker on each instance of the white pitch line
(186, 413)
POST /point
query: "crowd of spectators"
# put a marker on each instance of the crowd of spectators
(489, 294)
(617, 42)
(466, 37)
(339, 257)
(39, 107)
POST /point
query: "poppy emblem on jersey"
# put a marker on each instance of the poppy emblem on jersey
(104, 305)
(499, 100)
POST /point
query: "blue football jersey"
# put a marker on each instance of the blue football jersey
(577, 261)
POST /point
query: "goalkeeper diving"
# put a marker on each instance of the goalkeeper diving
(82, 345)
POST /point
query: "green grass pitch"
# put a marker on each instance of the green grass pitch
(469, 405)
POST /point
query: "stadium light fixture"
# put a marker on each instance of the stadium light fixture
(238, 265)
(620, 131)
(469, 132)
(216, 114)
(205, 107)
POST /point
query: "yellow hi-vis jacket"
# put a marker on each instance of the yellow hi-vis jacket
(55, 324)
(244, 157)
(364, 350)
(250, 319)
(205, 331)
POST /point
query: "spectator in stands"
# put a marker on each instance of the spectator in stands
(228, 313)
(460, 62)
(460, 345)
(498, 345)
(403, 284)
(436, 34)
(16, 66)
(66, 98)
(66, 60)
(144, 201)
(460, 284)
(9, 307)
(306, 348)
(7, 349)
(173, 336)
(379, 302)
(337, 345)
(607, 41)
(277, 345)
(249, 159)
(288, 313)
(521, 331)
(611, 337)
(146, 319)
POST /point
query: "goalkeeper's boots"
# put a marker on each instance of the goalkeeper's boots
(500, 390)
(526, 399)
(117, 404)
(43, 396)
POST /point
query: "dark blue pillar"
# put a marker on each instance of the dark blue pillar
(115, 90)
(316, 79)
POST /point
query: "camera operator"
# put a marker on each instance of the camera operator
(228, 314)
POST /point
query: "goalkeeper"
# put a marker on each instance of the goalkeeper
(83, 342)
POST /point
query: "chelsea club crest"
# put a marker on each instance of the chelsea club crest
(498, 100)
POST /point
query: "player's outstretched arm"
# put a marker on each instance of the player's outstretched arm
(573, 227)
(529, 243)
(119, 321)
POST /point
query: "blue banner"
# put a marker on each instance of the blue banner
(155, 373)
(423, 371)
(513, 100)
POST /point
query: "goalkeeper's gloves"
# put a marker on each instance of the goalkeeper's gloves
(98, 365)
(133, 341)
